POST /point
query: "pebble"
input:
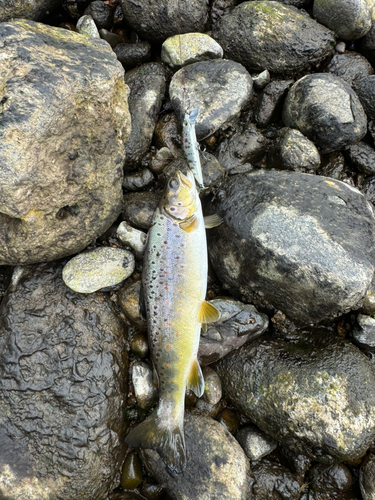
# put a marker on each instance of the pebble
(274, 481)
(229, 419)
(330, 479)
(133, 54)
(212, 386)
(367, 478)
(365, 89)
(362, 157)
(109, 37)
(139, 208)
(128, 298)
(131, 475)
(136, 181)
(340, 47)
(161, 160)
(98, 269)
(261, 80)
(364, 332)
(349, 67)
(151, 491)
(270, 102)
(181, 50)
(86, 26)
(255, 443)
(144, 389)
(167, 134)
(101, 13)
(139, 344)
(212, 171)
(134, 238)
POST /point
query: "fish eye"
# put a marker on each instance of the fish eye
(173, 183)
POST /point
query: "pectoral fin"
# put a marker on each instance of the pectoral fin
(208, 313)
(189, 224)
(196, 380)
(211, 221)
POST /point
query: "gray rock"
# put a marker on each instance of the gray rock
(27, 9)
(238, 324)
(367, 478)
(110, 37)
(86, 26)
(349, 66)
(136, 181)
(156, 24)
(63, 367)
(167, 134)
(362, 156)
(219, 89)
(139, 345)
(297, 462)
(101, 13)
(310, 239)
(98, 269)
(245, 146)
(330, 479)
(161, 160)
(147, 85)
(326, 110)
(364, 332)
(293, 151)
(145, 392)
(255, 443)
(221, 7)
(180, 50)
(334, 165)
(340, 47)
(248, 35)
(212, 171)
(349, 19)
(270, 102)
(139, 208)
(216, 468)
(367, 45)
(274, 481)
(212, 386)
(132, 54)
(128, 298)
(134, 238)
(261, 80)
(316, 395)
(365, 90)
(55, 199)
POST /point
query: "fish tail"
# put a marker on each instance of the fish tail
(167, 441)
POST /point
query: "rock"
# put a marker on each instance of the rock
(212, 171)
(310, 239)
(145, 391)
(63, 366)
(134, 238)
(147, 85)
(161, 160)
(330, 479)
(212, 386)
(245, 146)
(136, 181)
(364, 332)
(362, 156)
(297, 462)
(139, 208)
(340, 47)
(268, 35)
(315, 395)
(367, 45)
(238, 324)
(326, 110)
(98, 269)
(229, 419)
(334, 165)
(156, 24)
(367, 478)
(261, 80)
(151, 491)
(101, 13)
(167, 134)
(293, 151)
(368, 189)
(110, 37)
(255, 443)
(86, 26)
(128, 298)
(131, 475)
(349, 66)
(216, 468)
(349, 19)
(29, 9)
(180, 50)
(132, 54)
(219, 89)
(57, 198)
(274, 481)
(365, 90)
(270, 103)
(139, 344)
(221, 7)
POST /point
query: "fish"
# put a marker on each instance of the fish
(190, 146)
(174, 283)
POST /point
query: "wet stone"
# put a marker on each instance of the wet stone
(364, 332)
(109, 37)
(297, 462)
(180, 50)
(212, 386)
(139, 208)
(367, 478)
(270, 102)
(167, 133)
(349, 19)
(151, 491)
(136, 181)
(131, 475)
(212, 171)
(255, 443)
(334, 165)
(367, 45)
(101, 13)
(161, 160)
(208, 409)
(139, 344)
(134, 238)
(330, 479)
(261, 80)
(268, 35)
(362, 156)
(326, 110)
(132, 54)
(349, 66)
(340, 47)
(98, 269)
(274, 481)
(144, 389)
(217, 467)
(229, 419)
(238, 324)
(86, 26)
(218, 88)
(63, 372)
(32, 9)
(128, 298)
(365, 89)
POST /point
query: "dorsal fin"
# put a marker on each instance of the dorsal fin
(208, 313)
(195, 379)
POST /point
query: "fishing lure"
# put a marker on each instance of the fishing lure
(191, 146)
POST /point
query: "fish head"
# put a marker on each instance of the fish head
(181, 199)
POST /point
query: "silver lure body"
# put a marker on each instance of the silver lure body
(191, 147)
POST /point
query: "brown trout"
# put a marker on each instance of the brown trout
(174, 283)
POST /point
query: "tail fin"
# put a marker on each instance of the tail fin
(168, 442)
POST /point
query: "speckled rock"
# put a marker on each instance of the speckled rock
(268, 35)
(27, 9)
(145, 392)
(310, 239)
(189, 48)
(98, 269)
(318, 391)
(365, 89)
(139, 208)
(134, 238)
(63, 367)
(261, 80)
(362, 156)
(219, 89)
(255, 443)
(86, 26)
(367, 478)
(274, 481)
(138, 180)
(326, 110)
(147, 85)
(216, 468)
(269, 105)
(55, 199)
(349, 19)
(212, 386)
(349, 66)
(132, 54)
(156, 24)
(364, 332)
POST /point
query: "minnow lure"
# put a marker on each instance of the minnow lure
(174, 286)
(191, 147)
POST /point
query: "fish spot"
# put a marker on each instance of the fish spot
(177, 334)
(180, 310)
(180, 291)
(172, 381)
(165, 288)
(159, 234)
(169, 324)
(167, 303)
(168, 346)
(177, 257)
(180, 355)
(179, 275)
(166, 242)
(182, 265)
(157, 254)
(167, 366)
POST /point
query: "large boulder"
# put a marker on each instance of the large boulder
(27, 9)
(297, 242)
(64, 122)
(63, 370)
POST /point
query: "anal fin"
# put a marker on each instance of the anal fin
(208, 313)
(195, 379)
